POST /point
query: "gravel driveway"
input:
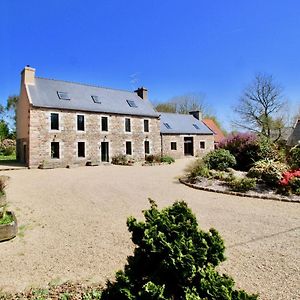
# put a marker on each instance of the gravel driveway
(73, 227)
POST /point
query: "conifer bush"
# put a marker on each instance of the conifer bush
(173, 260)
(219, 159)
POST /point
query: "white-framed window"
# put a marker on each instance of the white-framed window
(146, 125)
(55, 150)
(173, 146)
(127, 124)
(80, 122)
(128, 148)
(80, 149)
(147, 147)
(104, 123)
(202, 145)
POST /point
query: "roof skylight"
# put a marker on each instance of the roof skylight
(167, 125)
(131, 103)
(196, 126)
(63, 96)
(96, 99)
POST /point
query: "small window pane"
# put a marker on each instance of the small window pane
(54, 149)
(81, 149)
(104, 123)
(202, 145)
(173, 146)
(131, 103)
(96, 99)
(167, 125)
(147, 147)
(127, 125)
(196, 126)
(54, 121)
(146, 125)
(80, 122)
(63, 96)
(128, 148)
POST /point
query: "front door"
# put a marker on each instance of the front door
(188, 146)
(104, 152)
(24, 154)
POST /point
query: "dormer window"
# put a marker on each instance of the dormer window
(131, 103)
(167, 125)
(196, 126)
(96, 99)
(63, 96)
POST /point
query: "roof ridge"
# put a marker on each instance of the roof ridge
(86, 84)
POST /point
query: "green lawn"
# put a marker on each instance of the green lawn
(8, 157)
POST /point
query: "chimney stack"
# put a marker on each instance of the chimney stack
(196, 114)
(28, 75)
(142, 92)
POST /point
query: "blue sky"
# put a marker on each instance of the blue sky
(170, 47)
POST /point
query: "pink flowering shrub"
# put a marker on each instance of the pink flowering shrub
(290, 183)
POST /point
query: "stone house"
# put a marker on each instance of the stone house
(63, 123)
(185, 135)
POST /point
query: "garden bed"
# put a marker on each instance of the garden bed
(218, 186)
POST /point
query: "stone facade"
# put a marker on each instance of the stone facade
(41, 136)
(206, 140)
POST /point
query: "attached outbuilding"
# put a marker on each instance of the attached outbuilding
(185, 135)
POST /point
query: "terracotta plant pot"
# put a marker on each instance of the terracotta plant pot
(9, 231)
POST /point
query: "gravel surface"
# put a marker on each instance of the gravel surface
(73, 227)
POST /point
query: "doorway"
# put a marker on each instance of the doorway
(104, 152)
(188, 146)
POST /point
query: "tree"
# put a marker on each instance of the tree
(260, 106)
(183, 104)
(11, 107)
(173, 259)
(4, 130)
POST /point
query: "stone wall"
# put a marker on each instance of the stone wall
(41, 137)
(179, 139)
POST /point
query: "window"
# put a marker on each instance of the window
(54, 149)
(128, 148)
(96, 99)
(63, 96)
(54, 121)
(173, 146)
(127, 125)
(81, 149)
(202, 145)
(80, 122)
(131, 103)
(147, 147)
(167, 125)
(104, 123)
(196, 126)
(146, 125)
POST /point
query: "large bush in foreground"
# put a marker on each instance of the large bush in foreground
(173, 260)
(219, 159)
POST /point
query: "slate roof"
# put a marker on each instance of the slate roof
(219, 135)
(295, 136)
(44, 94)
(182, 124)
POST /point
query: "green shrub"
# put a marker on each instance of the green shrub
(295, 185)
(173, 260)
(241, 184)
(7, 150)
(119, 159)
(294, 158)
(197, 168)
(269, 171)
(219, 159)
(167, 159)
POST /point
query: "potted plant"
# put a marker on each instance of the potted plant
(8, 221)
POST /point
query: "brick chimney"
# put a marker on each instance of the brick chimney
(196, 114)
(142, 92)
(27, 75)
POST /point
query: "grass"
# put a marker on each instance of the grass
(6, 219)
(11, 157)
